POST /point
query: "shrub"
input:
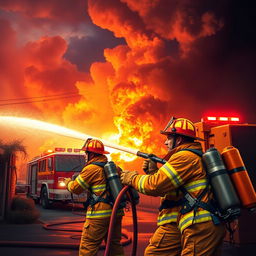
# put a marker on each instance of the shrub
(23, 211)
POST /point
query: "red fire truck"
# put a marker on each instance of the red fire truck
(46, 175)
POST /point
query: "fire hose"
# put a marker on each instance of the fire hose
(113, 217)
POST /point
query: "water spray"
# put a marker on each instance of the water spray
(60, 130)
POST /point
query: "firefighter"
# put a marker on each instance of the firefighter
(92, 179)
(183, 229)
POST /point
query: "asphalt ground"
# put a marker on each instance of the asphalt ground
(34, 234)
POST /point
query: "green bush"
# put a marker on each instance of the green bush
(23, 211)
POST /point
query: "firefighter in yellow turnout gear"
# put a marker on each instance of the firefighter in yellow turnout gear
(92, 179)
(179, 232)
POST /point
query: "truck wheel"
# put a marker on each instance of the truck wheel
(44, 199)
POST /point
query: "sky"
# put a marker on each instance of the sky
(119, 69)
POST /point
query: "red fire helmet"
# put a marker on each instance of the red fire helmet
(180, 126)
(95, 146)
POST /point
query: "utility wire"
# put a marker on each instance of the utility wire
(43, 100)
(38, 97)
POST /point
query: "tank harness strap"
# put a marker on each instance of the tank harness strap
(189, 202)
(94, 199)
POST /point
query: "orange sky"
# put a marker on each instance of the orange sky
(119, 69)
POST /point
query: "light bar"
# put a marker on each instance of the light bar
(221, 119)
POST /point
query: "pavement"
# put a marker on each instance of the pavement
(35, 240)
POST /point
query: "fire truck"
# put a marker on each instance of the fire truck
(46, 175)
(223, 131)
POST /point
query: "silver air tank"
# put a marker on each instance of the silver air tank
(222, 186)
(114, 182)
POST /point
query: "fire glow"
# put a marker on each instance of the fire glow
(52, 128)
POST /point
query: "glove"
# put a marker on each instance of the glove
(127, 176)
(149, 166)
(66, 181)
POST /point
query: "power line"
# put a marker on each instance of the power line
(38, 97)
(44, 100)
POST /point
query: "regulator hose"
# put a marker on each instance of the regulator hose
(113, 218)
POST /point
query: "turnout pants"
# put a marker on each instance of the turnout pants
(200, 239)
(94, 231)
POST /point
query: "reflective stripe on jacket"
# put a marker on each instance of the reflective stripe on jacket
(92, 179)
(183, 168)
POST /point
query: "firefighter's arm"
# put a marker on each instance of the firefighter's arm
(81, 183)
(168, 178)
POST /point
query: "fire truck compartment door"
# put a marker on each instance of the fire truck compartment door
(34, 170)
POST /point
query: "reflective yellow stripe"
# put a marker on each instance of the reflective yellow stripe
(167, 218)
(196, 185)
(81, 182)
(141, 183)
(69, 185)
(90, 214)
(172, 175)
(99, 188)
(98, 214)
(200, 216)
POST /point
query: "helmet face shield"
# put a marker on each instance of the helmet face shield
(168, 124)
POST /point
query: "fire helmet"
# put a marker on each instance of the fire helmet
(180, 126)
(95, 146)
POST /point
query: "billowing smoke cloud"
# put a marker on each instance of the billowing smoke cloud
(199, 73)
(181, 58)
(67, 10)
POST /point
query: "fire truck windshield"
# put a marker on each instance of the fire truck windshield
(66, 163)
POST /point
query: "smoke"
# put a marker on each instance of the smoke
(154, 59)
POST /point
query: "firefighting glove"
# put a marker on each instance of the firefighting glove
(127, 176)
(149, 166)
(66, 181)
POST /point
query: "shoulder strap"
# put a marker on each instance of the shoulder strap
(95, 199)
(101, 164)
(195, 151)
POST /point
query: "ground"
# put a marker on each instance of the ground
(61, 242)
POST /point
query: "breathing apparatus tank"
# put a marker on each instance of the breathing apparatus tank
(239, 176)
(223, 190)
(114, 182)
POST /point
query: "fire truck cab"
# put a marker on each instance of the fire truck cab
(46, 175)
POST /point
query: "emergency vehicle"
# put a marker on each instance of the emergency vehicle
(221, 132)
(46, 175)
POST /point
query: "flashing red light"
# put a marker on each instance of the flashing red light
(223, 118)
(211, 118)
(235, 119)
(60, 149)
(69, 149)
(76, 150)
